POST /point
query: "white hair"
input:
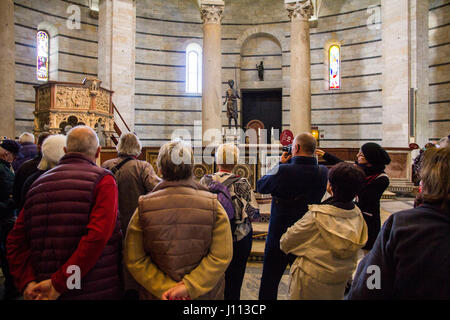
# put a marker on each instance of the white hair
(26, 137)
(129, 144)
(52, 151)
(227, 154)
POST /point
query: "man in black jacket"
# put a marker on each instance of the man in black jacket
(294, 184)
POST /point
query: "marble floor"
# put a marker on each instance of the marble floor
(250, 286)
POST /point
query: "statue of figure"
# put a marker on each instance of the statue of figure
(231, 100)
(260, 68)
(100, 128)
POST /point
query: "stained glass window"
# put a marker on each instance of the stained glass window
(194, 68)
(42, 66)
(335, 67)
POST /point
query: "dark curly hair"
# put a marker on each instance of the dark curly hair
(346, 181)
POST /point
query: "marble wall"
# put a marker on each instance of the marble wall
(73, 50)
(439, 68)
(252, 31)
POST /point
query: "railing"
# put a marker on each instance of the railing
(116, 127)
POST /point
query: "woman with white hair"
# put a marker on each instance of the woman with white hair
(52, 152)
(245, 210)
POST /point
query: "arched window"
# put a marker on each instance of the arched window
(334, 67)
(42, 65)
(194, 68)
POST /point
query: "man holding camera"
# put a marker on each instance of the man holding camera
(294, 184)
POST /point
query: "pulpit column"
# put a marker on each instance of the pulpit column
(299, 13)
(212, 14)
(7, 69)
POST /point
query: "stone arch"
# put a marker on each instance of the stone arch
(247, 42)
(52, 31)
(261, 30)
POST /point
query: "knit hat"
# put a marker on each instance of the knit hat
(375, 154)
(52, 151)
(11, 146)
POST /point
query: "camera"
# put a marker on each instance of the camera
(287, 149)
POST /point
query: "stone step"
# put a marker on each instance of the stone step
(257, 253)
(259, 241)
(388, 195)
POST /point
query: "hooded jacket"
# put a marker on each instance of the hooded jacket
(326, 242)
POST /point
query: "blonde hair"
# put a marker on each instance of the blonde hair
(129, 145)
(435, 176)
(227, 154)
(175, 161)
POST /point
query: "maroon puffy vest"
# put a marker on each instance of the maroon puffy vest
(56, 215)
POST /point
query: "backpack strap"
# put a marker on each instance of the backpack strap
(120, 165)
(370, 179)
(231, 180)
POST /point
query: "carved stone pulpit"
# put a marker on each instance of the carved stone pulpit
(62, 105)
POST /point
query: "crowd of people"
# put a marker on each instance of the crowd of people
(73, 230)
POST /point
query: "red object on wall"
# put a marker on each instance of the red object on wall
(286, 137)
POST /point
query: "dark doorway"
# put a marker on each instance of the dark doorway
(262, 105)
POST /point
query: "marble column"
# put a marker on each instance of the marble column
(299, 13)
(419, 10)
(116, 55)
(396, 72)
(7, 69)
(212, 14)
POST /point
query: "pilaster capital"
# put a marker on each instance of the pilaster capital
(300, 10)
(211, 13)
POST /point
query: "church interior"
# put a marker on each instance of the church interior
(348, 71)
